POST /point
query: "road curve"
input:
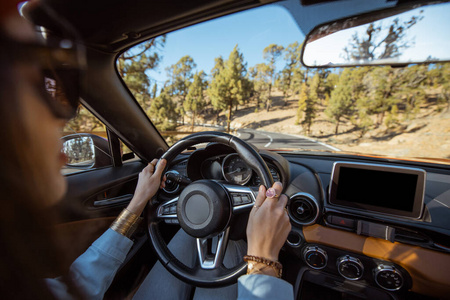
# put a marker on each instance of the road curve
(273, 140)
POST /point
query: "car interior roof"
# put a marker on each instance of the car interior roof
(113, 26)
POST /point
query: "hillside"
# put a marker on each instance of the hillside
(427, 135)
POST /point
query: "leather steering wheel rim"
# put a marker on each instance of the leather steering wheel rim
(219, 276)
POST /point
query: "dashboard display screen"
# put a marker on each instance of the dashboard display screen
(378, 188)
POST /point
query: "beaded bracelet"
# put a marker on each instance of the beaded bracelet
(126, 223)
(276, 266)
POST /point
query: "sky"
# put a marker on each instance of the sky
(251, 30)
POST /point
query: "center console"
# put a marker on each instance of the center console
(331, 273)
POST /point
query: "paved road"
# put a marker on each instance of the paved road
(272, 140)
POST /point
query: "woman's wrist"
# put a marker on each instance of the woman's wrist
(261, 253)
(126, 223)
(136, 206)
(264, 266)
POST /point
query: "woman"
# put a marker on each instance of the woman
(31, 181)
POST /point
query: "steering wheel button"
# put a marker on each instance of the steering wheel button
(245, 199)
(173, 209)
(237, 200)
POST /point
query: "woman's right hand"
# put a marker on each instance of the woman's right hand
(268, 224)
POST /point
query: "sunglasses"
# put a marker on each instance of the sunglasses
(60, 67)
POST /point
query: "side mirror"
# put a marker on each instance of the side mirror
(80, 152)
(85, 151)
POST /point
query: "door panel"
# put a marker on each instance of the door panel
(94, 199)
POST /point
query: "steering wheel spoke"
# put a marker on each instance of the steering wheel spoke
(168, 211)
(242, 197)
(211, 251)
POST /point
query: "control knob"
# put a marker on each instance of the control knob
(388, 277)
(315, 257)
(350, 267)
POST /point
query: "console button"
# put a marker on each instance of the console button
(342, 222)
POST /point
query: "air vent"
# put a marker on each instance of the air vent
(304, 209)
(411, 237)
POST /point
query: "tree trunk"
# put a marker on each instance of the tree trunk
(193, 121)
(230, 108)
(336, 131)
(268, 105)
(268, 99)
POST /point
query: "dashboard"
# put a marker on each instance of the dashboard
(350, 243)
(220, 162)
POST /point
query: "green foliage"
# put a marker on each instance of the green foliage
(365, 97)
(260, 75)
(411, 89)
(314, 88)
(229, 85)
(271, 53)
(162, 112)
(154, 90)
(341, 100)
(195, 98)
(392, 117)
(181, 76)
(330, 83)
(84, 121)
(307, 108)
(440, 78)
(133, 64)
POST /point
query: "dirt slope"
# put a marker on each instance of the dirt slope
(428, 135)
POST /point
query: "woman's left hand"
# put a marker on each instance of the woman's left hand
(148, 184)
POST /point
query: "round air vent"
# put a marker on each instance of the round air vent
(303, 209)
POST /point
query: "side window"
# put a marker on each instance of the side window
(85, 143)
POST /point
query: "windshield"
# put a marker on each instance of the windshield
(242, 74)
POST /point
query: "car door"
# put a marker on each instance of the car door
(99, 188)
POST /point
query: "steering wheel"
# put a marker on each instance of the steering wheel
(204, 210)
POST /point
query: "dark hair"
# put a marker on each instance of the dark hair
(28, 253)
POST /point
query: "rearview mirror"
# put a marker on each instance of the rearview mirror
(397, 36)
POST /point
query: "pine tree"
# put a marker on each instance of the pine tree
(154, 90)
(181, 76)
(195, 99)
(341, 100)
(133, 64)
(229, 86)
(440, 76)
(271, 53)
(162, 112)
(412, 88)
(303, 98)
(306, 108)
(381, 84)
(292, 66)
(260, 75)
(314, 88)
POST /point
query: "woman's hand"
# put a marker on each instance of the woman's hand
(148, 184)
(268, 224)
